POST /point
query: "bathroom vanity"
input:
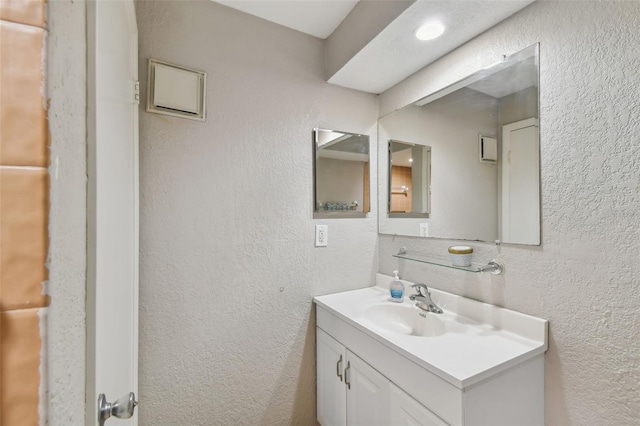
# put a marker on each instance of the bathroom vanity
(384, 363)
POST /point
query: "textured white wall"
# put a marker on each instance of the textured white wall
(66, 76)
(226, 221)
(585, 277)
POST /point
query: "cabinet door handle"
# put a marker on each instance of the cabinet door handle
(346, 377)
(339, 367)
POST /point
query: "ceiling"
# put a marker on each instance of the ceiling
(394, 53)
(318, 18)
(511, 79)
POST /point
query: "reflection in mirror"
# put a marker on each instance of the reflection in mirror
(409, 176)
(483, 142)
(341, 174)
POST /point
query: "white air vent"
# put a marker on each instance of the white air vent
(488, 149)
(176, 91)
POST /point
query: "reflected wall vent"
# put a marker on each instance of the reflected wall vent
(176, 91)
(488, 149)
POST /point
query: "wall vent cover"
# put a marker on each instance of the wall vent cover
(175, 90)
(488, 149)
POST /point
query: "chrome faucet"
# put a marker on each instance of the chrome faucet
(423, 299)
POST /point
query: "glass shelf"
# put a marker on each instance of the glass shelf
(435, 261)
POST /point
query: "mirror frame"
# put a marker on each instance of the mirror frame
(408, 225)
(337, 214)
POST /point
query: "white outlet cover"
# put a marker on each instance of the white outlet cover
(322, 235)
(424, 229)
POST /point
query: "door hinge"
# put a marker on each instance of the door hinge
(136, 92)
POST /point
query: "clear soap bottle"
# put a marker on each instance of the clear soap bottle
(396, 289)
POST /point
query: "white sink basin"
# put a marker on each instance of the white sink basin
(470, 341)
(406, 318)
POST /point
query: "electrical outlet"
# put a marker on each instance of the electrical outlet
(424, 229)
(322, 235)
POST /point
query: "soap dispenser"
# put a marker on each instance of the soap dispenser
(396, 289)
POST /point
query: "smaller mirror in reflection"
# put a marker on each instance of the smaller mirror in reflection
(342, 183)
(409, 179)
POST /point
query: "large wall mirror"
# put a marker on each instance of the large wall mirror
(470, 162)
(341, 174)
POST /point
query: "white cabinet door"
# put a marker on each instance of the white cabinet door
(332, 397)
(406, 411)
(367, 394)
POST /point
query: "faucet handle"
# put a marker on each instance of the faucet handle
(419, 289)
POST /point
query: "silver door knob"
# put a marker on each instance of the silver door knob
(123, 407)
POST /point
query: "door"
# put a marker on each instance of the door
(112, 211)
(332, 397)
(367, 394)
(521, 183)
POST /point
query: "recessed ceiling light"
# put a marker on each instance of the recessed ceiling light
(430, 30)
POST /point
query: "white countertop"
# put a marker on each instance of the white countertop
(480, 339)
